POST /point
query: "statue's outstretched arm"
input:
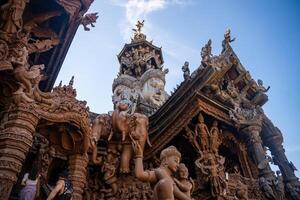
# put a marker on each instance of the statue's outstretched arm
(145, 176)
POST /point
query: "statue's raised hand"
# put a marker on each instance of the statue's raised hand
(138, 150)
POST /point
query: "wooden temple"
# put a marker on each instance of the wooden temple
(208, 139)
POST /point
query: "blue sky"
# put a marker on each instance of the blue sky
(267, 42)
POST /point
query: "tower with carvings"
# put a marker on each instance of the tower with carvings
(141, 79)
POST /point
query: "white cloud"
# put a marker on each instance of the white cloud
(139, 10)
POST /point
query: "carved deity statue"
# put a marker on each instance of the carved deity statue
(202, 131)
(212, 167)
(214, 137)
(161, 177)
(153, 85)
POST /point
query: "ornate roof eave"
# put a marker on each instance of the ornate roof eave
(181, 107)
(128, 46)
(68, 32)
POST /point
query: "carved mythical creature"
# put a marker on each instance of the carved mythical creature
(89, 19)
(212, 167)
(162, 176)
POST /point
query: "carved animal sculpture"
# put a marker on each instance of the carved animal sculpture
(101, 128)
(120, 121)
(139, 129)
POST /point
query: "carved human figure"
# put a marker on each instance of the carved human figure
(192, 138)
(227, 40)
(202, 131)
(110, 168)
(261, 87)
(206, 53)
(161, 177)
(266, 188)
(214, 137)
(186, 70)
(184, 183)
(11, 14)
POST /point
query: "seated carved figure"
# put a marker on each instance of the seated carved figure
(165, 188)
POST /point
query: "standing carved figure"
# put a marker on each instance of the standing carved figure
(161, 177)
(227, 40)
(214, 138)
(202, 131)
(206, 54)
(186, 70)
(11, 14)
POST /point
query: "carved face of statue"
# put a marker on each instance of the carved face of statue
(183, 172)
(172, 162)
(122, 94)
(153, 91)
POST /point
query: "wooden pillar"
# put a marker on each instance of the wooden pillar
(16, 137)
(78, 170)
(259, 154)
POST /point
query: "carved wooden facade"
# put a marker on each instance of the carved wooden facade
(213, 121)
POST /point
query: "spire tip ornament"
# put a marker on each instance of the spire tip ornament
(138, 35)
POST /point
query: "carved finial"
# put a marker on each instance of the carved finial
(71, 81)
(227, 40)
(139, 25)
(138, 35)
(186, 70)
